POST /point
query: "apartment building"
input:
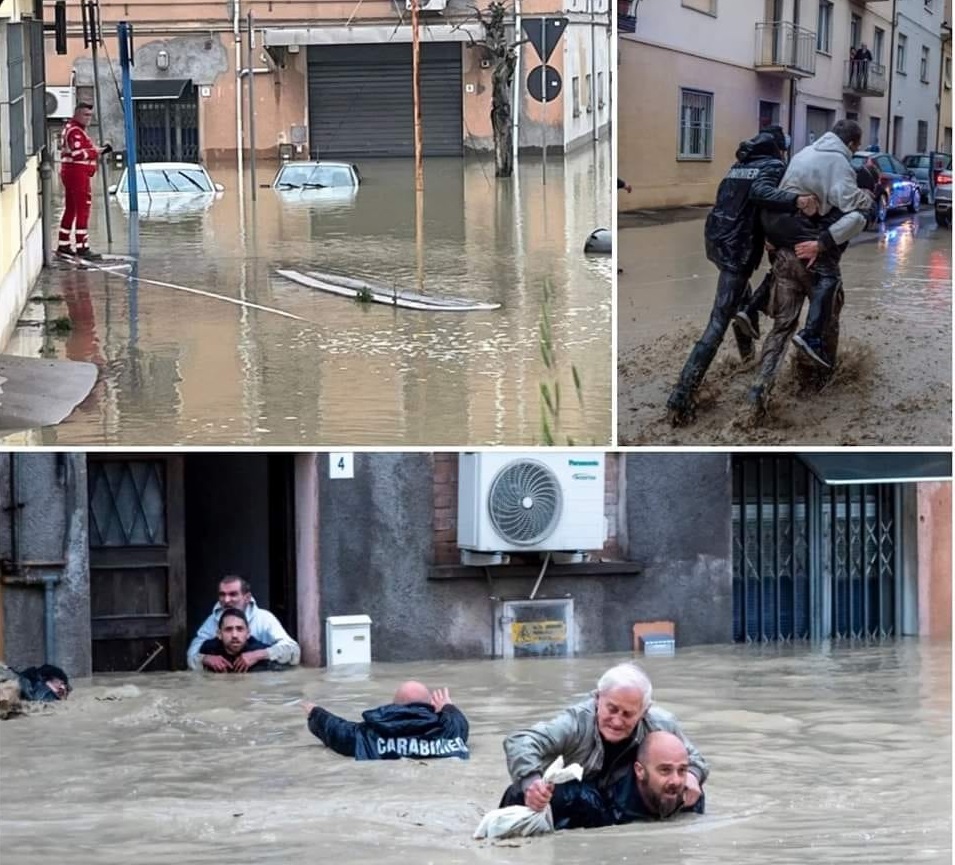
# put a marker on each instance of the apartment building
(698, 76)
(22, 93)
(944, 137)
(334, 79)
(914, 91)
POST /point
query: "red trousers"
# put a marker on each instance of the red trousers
(79, 199)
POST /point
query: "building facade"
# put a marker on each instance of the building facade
(699, 76)
(334, 79)
(944, 139)
(107, 557)
(22, 94)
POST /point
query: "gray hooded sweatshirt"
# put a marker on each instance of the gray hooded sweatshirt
(824, 169)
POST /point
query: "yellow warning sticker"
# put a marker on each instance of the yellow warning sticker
(524, 633)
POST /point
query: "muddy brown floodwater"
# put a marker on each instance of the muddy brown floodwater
(177, 368)
(893, 379)
(826, 755)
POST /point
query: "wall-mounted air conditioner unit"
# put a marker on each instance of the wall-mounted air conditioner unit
(546, 502)
(60, 102)
(428, 5)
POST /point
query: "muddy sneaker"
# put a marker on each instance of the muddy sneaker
(66, 250)
(680, 408)
(749, 326)
(88, 255)
(812, 346)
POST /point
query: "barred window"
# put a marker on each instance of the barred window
(696, 124)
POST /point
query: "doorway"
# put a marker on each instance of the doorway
(164, 529)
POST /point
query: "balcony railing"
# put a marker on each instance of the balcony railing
(863, 78)
(785, 49)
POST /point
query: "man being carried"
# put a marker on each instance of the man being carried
(823, 170)
(234, 649)
(235, 592)
(602, 734)
(418, 723)
(654, 790)
(734, 243)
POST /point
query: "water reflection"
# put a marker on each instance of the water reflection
(177, 368)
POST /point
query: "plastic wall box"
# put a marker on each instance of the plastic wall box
(347, 640)
(658, 645)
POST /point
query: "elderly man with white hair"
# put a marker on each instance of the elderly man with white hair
(602, 734)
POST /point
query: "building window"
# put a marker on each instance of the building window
(696, 124)
(878, 44)
(575, 91)
(768, 113)
(824, 28)
(923, 65)
(921, 145)
(588, 85)
(600, 90)
(900, 54)
(706, 6)
(13, 144)
(948, 73)
(855, 31)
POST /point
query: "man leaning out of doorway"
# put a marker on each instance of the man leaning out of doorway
(236, 592)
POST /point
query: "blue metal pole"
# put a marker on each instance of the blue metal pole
(124, 31)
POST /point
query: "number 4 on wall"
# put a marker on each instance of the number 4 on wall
(341, 465)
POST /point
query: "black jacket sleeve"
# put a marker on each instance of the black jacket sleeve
(765, 190)
(453, 723)
(337, 733)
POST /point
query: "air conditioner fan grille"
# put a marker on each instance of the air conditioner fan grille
(524, 502)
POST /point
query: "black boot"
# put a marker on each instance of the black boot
(66, 250)
(87, 254)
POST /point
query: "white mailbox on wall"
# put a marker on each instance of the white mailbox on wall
(347, 640)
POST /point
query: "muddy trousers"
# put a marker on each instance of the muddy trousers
(792, 284)
(732, 293)
(826, 283)
(79, 201)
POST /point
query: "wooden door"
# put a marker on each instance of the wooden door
(137, 561)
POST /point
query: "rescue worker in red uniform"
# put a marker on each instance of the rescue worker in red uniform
(79, 157)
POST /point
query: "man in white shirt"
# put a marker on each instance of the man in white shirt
(263, 626)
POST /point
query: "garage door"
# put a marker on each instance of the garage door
(360, 101)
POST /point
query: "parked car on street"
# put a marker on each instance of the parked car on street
(317, 175)
(918, 164)
(897, 186)
(168, 188)
(943, 196)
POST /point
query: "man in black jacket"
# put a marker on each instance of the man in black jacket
(734, 243)
(242, 652)
(418, 723)
(654, 790)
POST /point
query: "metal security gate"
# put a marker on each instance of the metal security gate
(811, 560)
(859, 541)
(168, 130)
(360, 100)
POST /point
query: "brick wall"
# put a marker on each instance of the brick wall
(445, 484)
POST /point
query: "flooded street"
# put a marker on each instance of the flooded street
(893, 380)
(181, 368)
(830, 755)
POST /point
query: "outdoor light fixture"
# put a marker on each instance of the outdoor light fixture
(162, 60)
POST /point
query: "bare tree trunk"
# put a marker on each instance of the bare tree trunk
(501, 117)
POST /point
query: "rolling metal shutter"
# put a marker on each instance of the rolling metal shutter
(360, 101)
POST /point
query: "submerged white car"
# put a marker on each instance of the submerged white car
(317, 175)
(168, 188)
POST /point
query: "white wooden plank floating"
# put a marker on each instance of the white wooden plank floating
(352, 288)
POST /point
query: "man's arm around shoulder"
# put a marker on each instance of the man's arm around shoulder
(337, 733)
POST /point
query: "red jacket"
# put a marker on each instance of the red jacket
(77, 148)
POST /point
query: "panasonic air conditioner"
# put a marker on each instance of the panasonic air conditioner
(547, 502)
(59, 102)
(428, 5)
